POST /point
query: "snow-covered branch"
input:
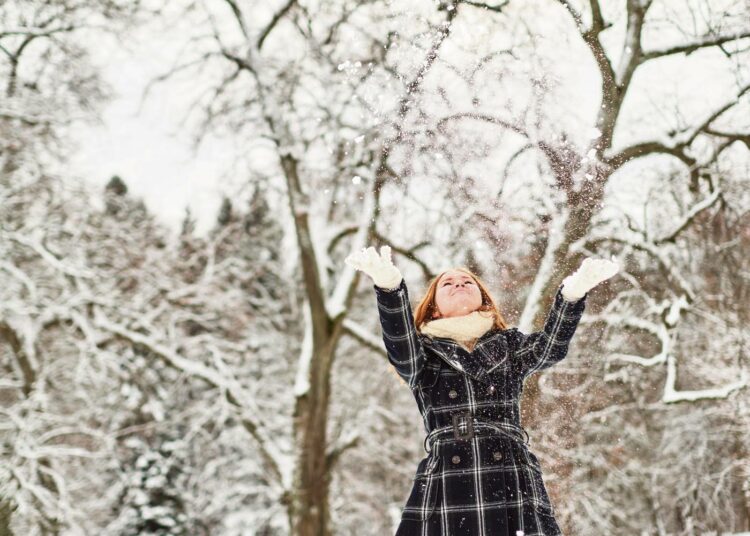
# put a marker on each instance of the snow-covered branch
(671, 395)
(364, 336)
(235, 394)
(51, 259)
(689, 216)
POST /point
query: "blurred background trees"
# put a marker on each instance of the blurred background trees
(161, 381)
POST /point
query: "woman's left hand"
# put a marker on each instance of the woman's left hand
(589, 274)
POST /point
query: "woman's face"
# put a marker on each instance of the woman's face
(457, 295)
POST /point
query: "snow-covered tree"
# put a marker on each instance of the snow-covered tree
(151, 500)
(446, 129)
(236, 383)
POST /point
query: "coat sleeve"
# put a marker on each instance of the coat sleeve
(542, 349)
(402, 344)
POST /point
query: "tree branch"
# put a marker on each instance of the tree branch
(234, 393)
(238, 16)
(276, 18)
(334, 454)
(483, 5)
(577, 17)
(688, 48)
(689, 217)
(671, 395)
(678, 141)
(515, 127)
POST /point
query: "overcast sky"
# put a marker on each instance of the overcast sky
(151, 152)
(146, 149)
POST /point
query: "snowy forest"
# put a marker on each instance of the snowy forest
(159, 379)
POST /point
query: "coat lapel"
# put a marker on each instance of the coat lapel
(475, 364)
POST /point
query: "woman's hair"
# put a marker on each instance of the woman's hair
(427, 307)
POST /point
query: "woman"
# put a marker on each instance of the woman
(466, 369)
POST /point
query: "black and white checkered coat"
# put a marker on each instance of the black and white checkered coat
(487, 483)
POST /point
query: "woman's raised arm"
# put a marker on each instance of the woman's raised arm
(402, 344)
(403, 347)
(542, 349)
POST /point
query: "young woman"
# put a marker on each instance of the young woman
(466, 369)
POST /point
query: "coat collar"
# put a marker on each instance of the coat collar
(475, 363)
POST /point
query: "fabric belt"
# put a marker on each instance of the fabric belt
(465, 426)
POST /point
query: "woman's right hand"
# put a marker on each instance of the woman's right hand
(379, 267)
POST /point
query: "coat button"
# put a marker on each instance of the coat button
(456, 458)
(492, 388)
(497, 455)
(452, 393)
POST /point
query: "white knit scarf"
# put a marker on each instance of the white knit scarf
(465, 329)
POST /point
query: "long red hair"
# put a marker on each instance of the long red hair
(426, 308)
(424, 311)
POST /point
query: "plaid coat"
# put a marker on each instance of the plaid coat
(479, 478)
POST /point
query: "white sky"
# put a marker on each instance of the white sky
(152, 155)
(146, 149)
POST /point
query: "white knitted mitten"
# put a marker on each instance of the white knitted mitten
(379, 267)
(589, 274)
